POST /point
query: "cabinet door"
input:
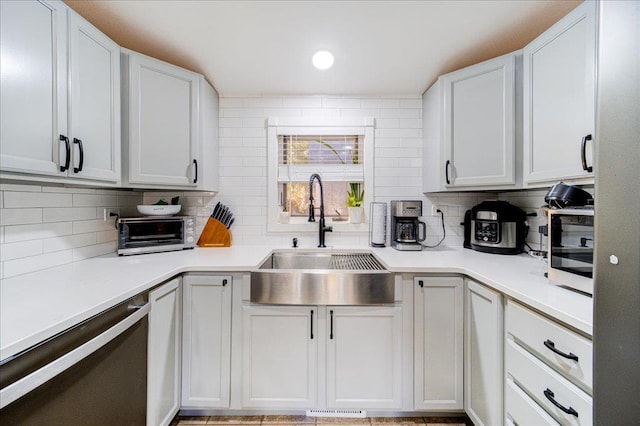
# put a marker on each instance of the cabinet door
(364, 351)
(206, 341)
(95, 102)
(479, 123)
(165, 331)
(438, 343)
(162, 122)
(483, 367)
(279, 357)
(433, 156)
(33, 89)
(559, 98)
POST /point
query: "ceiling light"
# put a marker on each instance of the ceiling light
(322, 59)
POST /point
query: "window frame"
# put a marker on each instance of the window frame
(309, 126)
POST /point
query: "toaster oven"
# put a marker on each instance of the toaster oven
(154, 234)
(570, 256)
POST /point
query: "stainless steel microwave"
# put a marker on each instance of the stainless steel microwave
(152, 234)
(570, 256)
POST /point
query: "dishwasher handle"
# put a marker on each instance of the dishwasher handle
(37, 378)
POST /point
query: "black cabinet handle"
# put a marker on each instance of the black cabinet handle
(65, 139)
(195, 163)
(421, 283)
(552, 347)
(583, 154)
(224, 283)
(331, 325)
(550, 396)
(81, 162)
(312, 324)
(446, 171)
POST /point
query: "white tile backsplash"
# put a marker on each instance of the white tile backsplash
(49, 225)
(15, 200)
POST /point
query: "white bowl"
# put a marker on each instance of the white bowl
(159, 210)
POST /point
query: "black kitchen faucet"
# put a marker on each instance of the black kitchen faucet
(321, 228)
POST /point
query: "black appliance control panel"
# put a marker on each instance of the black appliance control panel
(488, 232)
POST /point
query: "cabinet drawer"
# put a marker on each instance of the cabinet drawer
(521, 409)
(541, 336)
(543, 384)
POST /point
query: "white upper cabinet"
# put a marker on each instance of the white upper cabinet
(559, 100)
(55, 62)
(94, 66)
(479, 123)
(170, 127)
(33, 85)
(470, 120)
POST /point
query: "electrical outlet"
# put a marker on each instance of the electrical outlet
(106, 213)
(434, 210)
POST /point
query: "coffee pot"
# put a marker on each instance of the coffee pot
(405, 226)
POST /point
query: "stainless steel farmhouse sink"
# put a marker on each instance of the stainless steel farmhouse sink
(321, 278)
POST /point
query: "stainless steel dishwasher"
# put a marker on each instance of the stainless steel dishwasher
(94, 373)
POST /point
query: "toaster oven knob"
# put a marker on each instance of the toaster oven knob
(189, 239)
(189, 221)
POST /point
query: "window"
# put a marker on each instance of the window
(339, 150)
(338, 161)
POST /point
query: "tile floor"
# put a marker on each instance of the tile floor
(308, 421)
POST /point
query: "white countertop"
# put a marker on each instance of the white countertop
(36, 306)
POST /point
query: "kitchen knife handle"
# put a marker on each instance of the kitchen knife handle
(331, 325)
(67, 160)
(446, 171)
(81, 162)
(550, 396)
(195, 163)
(552, 347)
(583, 154)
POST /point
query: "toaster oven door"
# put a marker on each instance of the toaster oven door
(571, 249)
(146, 236)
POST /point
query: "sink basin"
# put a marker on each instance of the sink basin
(321, 278)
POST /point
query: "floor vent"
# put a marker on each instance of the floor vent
(337, 413)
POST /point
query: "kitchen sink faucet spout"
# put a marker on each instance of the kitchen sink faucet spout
(322, 229)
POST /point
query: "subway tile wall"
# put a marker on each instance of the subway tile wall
(46, 225)
(243, 165)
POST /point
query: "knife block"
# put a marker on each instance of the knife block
(214, 234)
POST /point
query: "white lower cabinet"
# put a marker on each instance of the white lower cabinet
(279, 356)
(522, 409)
(438, 343)
(483, 360)
(284, 348)
(163, 365)
(206, 354)
(364, 350)
(549, 367)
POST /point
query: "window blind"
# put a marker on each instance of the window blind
(335, 158)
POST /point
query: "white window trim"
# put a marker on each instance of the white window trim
(309, 126)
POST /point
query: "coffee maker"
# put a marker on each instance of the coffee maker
(405, 226)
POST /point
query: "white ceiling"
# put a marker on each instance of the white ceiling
(380, 47)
